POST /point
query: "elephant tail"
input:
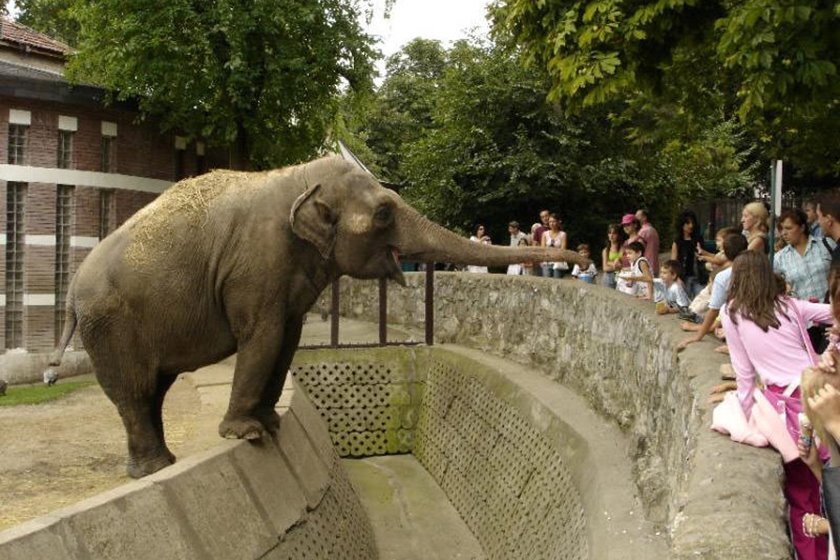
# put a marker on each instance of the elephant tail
(66, 335)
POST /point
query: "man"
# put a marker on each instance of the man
(828, 218)
(516, 238)
(810, 209)
(650, 237)
(515, 234)
(733, 245)
(538, 233)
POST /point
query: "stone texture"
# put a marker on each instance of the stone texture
(621, 357)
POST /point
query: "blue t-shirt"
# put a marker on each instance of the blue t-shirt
(720, 289)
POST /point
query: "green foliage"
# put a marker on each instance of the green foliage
(263, 76)
(769, 63)
(469, 133)
(51, 17)
(37, 394)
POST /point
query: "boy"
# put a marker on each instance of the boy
(673, 296)
(583, 250)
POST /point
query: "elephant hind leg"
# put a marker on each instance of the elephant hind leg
(139, 406)
(164, 382)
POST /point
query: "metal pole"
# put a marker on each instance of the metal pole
(430, 303)
(775, 202)
(383, 311)
(334, 315)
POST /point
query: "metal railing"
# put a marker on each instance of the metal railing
(383, 317)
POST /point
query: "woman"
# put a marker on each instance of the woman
(479, 237)
(631, 226)
(687, 242)
(804, 263)
(765, 331)
(555, 237)
(754, 219)
(612, 255)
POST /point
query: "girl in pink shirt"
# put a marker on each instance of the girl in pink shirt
(767, 337)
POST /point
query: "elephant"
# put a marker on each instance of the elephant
(230, 262)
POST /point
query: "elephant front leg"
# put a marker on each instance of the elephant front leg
(255, 363)
(266, 412)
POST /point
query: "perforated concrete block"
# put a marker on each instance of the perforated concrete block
(218, 505)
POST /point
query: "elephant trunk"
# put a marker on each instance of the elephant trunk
(420, 239)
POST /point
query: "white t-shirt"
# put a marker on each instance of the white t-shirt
(576, 271)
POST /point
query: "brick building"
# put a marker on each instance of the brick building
(71, 171)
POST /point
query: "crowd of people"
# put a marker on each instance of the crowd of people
(778, 320)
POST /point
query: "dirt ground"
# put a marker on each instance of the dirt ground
(55, 454)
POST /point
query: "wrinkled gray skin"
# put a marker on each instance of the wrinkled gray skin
(233, 270)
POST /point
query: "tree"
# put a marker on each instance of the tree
(780, 58)
(51, 17)
(495, 151)
(401, 111)
(262, 75)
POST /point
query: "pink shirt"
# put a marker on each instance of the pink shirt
(650, 237)
(777, 356)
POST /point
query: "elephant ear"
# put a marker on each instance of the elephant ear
(312, 219)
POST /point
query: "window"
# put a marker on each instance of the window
(63, 225)
(17, 144)
(106, 203)
(109, 150)
(15, 199)
(65, 149)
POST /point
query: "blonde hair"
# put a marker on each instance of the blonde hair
(758, 211)
(814, 379)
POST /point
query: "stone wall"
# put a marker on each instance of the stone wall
(718, 499)
(284, 499)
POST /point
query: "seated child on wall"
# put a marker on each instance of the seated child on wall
(673, 296)
(583, 250)
(640, 277)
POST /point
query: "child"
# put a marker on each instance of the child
(640, 277)
(588, 274)
(673, 298)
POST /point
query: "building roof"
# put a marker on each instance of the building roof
(24, 38)
(13, 70)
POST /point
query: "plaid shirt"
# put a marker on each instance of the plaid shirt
(807, 274)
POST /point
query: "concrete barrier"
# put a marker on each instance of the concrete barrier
(529, 469)
(718, 499)
(286, 498)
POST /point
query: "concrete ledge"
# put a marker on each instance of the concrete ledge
(621, 357)
(240, 500)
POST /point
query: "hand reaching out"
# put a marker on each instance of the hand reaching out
(825, 404)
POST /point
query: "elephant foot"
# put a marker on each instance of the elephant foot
(138, 468)
(270, 420)
(243, 427)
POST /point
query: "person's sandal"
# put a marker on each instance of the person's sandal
(814, 525)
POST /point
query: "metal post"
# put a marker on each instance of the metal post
(334, 315)
(383, 311)
(775, 202)
(430, 303)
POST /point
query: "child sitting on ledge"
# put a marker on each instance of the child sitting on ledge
(671, 296)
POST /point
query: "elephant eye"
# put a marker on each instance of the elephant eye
(383, 215)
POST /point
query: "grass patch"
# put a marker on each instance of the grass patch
(37, 394)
